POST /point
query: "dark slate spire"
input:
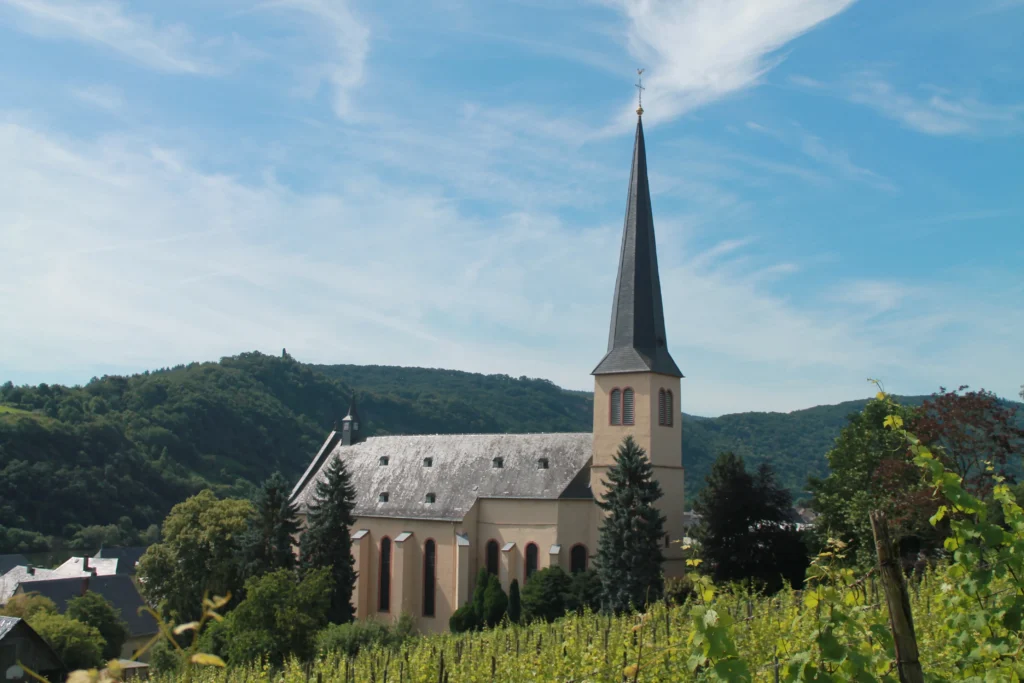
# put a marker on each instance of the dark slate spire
(636, 341)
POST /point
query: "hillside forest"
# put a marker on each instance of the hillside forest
(105, 462)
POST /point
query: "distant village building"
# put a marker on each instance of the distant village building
(20, 643)
(432, 510)
(118, 589)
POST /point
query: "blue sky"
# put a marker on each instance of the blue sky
(838, 188)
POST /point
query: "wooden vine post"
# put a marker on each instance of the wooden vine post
(901, 621)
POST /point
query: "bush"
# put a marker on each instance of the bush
(463, 619)
(495, 603)
(544, 597)
(679, 589)
(584, 592)
(349, 639)
(164, 659)
(515, 604)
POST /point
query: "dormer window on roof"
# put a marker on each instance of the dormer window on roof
(498, 463)
(428, 462)
(431, 497)
(542, 464)
(383, 462)
(382, 497)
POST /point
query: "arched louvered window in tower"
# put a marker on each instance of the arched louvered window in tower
(492, 557)
(669, 408)
(661, 406)
(429, 577)
(616, 407)
(627, 406)
(384, 584)
(531, 561)
(578, 558)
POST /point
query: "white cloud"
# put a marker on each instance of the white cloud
(697, 51)
(343, 42)
(937, 111)
(165, 47)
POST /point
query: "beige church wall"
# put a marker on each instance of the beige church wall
(662, 443)
(577, 523)
(407, 571)
(520, 522)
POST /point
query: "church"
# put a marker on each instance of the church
(432, 510)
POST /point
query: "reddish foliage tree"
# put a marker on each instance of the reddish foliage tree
(971, 429)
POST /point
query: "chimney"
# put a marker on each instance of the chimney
(30, 570)
(87, 567)
(85, 586)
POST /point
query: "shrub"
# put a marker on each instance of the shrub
(78, 645)
(349, 639)
(26, 605)
(544, 597)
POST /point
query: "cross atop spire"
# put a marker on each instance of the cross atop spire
(639, 92)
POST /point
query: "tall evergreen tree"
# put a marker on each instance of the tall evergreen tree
(629, 554)
(327, 541)
(268, 543)
(515, 605)
(746, 530)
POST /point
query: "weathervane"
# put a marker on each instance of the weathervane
(640, 92)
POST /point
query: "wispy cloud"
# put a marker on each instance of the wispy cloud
(101, 96)
(523, 293)
(935, 111)
(343, 41)
(111, 24)
(839, 160)
(698, 51)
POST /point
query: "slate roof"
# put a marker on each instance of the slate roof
(9, 562)
(7, 625)
(636, 338)
(118, 589)
(9, 581)
(462, 471)
(127, 557)
(80, 566)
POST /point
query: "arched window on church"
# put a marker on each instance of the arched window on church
(578, 558)
(531, 561)
(627, 406)
(429, 576)
(669, 409)
(661, 406)
(492, 557)
(384, 584)
(615, 412)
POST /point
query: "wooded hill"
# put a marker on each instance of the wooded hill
(122, 450)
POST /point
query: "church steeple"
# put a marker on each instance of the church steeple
(636, 340)
(350, 428)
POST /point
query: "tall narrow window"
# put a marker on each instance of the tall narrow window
(661, 407)
(384, 585)
(578, 558)
(669, 409)
(429, 576)
(627, 406)
(492, 557)
(531, 560)
(616, 408)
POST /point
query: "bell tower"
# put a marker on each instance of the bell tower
(351, 430)
(636, 384)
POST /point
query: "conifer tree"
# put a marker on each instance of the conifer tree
(629, 554)
(268, 542)
(515, 605)
(327, 541)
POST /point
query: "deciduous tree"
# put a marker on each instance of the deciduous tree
(95, 610)
(199, 553)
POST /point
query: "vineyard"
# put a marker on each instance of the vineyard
(723, 635)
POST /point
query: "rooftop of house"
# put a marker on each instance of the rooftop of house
(395, 475)
(118, 589)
